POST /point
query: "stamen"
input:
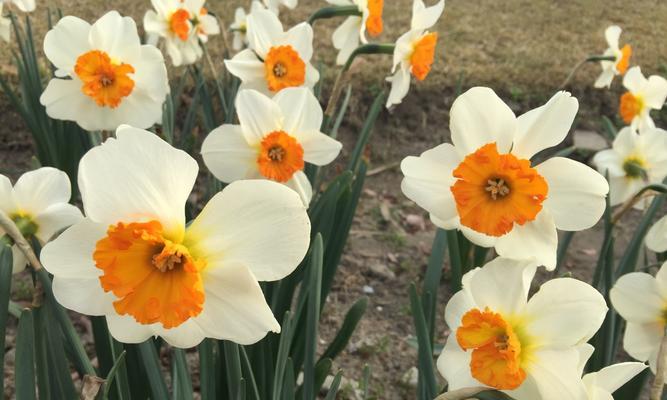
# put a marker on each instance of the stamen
(276, 153)
(497, 187)
(279, 70)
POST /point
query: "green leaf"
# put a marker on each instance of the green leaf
(313, 317)
(207, 370)
(24, 364)
(608, 129)
(248, 371)
(335, 384)
(5, 292)
(432, 280)
(425, 353)
(492, 395)
(111, 376)
(232, 360)
(288, 392)
(455, 260)
(181, 381)
(366, 382)
(366, 131)
(282, 359)
(151, 362)
(350, 322)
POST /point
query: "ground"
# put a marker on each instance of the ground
(521, 48)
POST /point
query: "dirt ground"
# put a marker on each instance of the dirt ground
(521, 48)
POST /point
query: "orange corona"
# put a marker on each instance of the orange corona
(104, 81)
(374, 24)
(280, 156)
(496, 349)
(630, 107)
(179, 24)
(624, 61)
(284, 68)
(494, 191)
(155, 279)
(422, 55)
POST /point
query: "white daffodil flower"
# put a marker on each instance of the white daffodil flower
(275, 59)
(622, 58)
(527, 348)
(656, 238)
(634, 161)
(602, 384)
(240, 26)
(274, 140)
(485, 185)
(641, 300)
(274, 5)
(38, 204)
(134, 260)
(23, 5)
(643, 95)
(104, 76)
(352, 31)
(415, 50)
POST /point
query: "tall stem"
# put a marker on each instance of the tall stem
(659, 382)
(581, 64)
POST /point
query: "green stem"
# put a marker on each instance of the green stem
(330, 12)
(588, 59)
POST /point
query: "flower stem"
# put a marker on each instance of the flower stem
(581, 64)
(13, 231)
(330, 12)
(659, 382)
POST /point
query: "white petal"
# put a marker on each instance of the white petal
(400, 85)
(36, 190)
(301, 111)
(554, 373)
(502, 285)
(576, 197)
(565, 312)
(7, 202)
(264, 29)
(54, 219)
(300, 37)
(19, 261)
(656, 238)
(235, 308)
(478, 238)
(614, 376)
(320, 149)
(454, 365)
(126, 330)
(642, 341)
(228, 155)
(633, 80)
(24, 5)
(5, 27)
(258, 115)
(545, 126)
(117, 36)
(256, 223)
(625, 142)
(637, 298)
(585, 352)
(428, 179)
(536, 240)
(612, 33)
(301, 185)
(479, 117)
(425, 17)
(609, 162)
(605, 79)
(457, 307)
(312, 76)
(346, 38)
(246, 66)
(655, 92)
(150, 77)
(137, 177)
(83, 295)
(186, 335)
(66, 42)
(155, 24)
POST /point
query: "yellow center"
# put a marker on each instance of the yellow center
(104, 81)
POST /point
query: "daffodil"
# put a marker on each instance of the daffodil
(622, 58)
(415, 50)
(104, 76)
(641, 300)
(23, 5)
(274, 5)
(485, 184)
(240, 27)
(642, 96)
(275, 59)
(134, 260)
(634, 161)
(656, 238)
(182, 23)
(602, 384)
(274, 140)
(353, 30)
(525, 347)
(38, 205)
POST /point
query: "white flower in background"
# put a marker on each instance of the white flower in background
(643, 95)
(23, 5)
(602, 384)
(240, 27)
(104, 76)
(275, 59)
(656, 238)
(485, 185)
(38, 204)
(634, 161)
(620, 65)
(203, 23)
(353, 30)
(274, 5)
(274, 140)
(525, 347)
(415, 50)
(134, 260)
(642, 301)
(6, 23)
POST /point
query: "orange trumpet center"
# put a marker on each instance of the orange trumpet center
(423, 54)
(630, 107)
(494, 191)
(496, 349)
(104, 81)
(179, 24)
(156, 280)
(374, 21)
(624, 61)
(280, 156)
(284, 68)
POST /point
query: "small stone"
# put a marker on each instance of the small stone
(382, 271)
(410, 378)
(368, 289)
